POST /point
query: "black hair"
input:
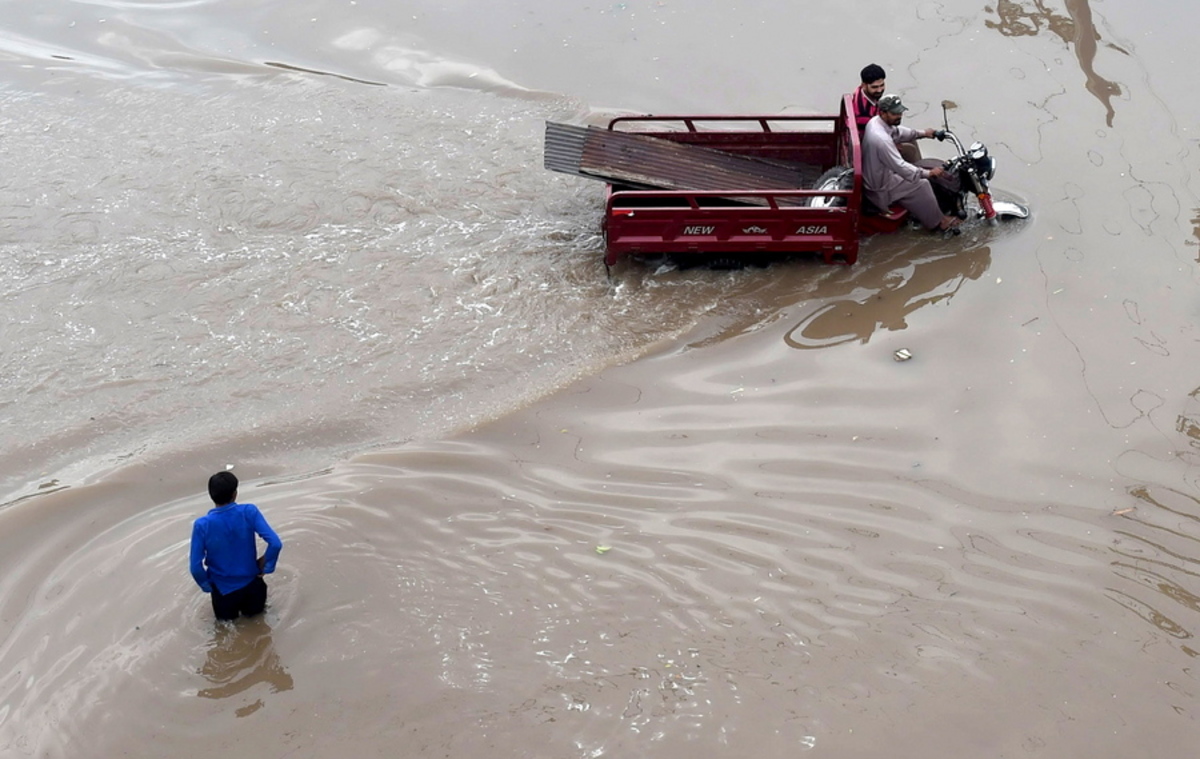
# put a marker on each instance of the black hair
(222, 487)
(872, 73)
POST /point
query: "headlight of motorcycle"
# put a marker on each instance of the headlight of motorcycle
(984, 164)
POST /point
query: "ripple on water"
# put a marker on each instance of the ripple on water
(246, 239)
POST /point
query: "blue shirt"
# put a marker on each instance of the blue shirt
(224, 552)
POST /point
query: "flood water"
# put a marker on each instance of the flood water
(533, 510)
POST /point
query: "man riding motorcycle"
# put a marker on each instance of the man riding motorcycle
(888, 178)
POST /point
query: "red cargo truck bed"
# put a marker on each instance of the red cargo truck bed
(726, 185)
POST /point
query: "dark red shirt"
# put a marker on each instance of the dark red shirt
(864, 108)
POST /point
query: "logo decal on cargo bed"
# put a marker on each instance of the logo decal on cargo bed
(699, 230)
(812, 230)
(754, 231)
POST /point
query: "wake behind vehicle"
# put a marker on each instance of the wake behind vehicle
(735, 188)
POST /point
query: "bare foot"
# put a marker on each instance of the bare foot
(949, 222)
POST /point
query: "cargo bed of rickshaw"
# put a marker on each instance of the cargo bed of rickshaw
(721, 185)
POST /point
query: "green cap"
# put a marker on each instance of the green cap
(891, 104)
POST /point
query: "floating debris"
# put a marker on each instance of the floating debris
(902, 355)
(603, 549)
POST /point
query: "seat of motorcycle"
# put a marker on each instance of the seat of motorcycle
(895, 213)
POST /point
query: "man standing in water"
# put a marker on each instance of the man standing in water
(224, 559)
(888, 178)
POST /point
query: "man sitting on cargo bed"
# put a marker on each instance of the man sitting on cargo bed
(865, 101)
(866, 98)
(888, 178)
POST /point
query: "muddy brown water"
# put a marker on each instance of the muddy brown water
(532, 511)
